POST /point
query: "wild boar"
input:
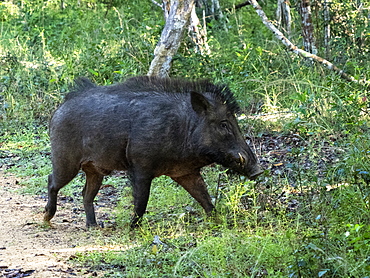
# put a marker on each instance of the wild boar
(147, 126)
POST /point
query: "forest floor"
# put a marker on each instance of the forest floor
(28, 248)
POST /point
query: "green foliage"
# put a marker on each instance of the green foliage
(8, 11)
(311, 220)
(45, 48)
(26, 152)
(355, 39)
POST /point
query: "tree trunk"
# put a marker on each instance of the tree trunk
(212, 8)
(283, 16)
(309, 41)
(216, 10)
(176, 23)
(198, 33)
(326, 28)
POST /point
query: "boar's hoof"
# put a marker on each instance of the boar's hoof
(135, 222)
(46, 224)
(92, 225)
(47, 216)
(212, 213)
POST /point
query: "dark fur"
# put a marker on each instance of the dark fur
(139, 84)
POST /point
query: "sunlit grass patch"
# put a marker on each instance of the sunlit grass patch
(227, 253)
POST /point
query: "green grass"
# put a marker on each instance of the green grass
(299, 244)
(207, 255)
(304, 222)
(255, 233)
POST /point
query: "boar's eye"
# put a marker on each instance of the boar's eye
(224, 125)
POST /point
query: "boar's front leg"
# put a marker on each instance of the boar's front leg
(93, 183)
(197, 188)
(141, 190)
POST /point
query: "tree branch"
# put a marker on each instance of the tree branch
(301, 52)
(157, 4)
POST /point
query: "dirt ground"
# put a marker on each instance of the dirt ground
(27, 248)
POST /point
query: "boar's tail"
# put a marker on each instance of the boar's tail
(81, 84)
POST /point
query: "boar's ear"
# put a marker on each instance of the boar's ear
(199, 103)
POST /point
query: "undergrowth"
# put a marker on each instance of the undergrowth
(307, 217)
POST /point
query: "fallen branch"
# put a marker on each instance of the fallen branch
(299, 51)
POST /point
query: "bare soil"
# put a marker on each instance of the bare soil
(28, 247)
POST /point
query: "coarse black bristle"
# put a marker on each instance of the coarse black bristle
(220, 92)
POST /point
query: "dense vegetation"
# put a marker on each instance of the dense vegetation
(307, 217)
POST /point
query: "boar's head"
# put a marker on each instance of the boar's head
(218, 135)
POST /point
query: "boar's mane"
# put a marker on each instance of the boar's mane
(170, 86)
(220, 93)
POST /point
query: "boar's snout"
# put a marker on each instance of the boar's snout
(258, 170)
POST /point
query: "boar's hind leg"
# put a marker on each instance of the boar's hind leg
(93, 183)
(56, 181)
(197, 188)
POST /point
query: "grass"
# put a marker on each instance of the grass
(208, 255)
(307, 217)
(298, 244)
(264, 228)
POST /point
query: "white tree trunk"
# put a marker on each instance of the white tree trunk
(198, 33)
(283, 16)
(216, 10)
(176, 23)
(309, 41)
